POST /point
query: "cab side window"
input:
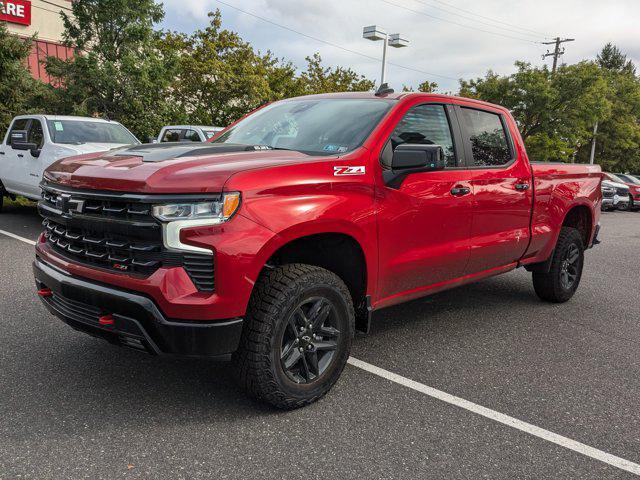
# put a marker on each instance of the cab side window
(427, 125)
(486, 134)
(20, 124)
(36, 134)
(171, 136)
(191, 136)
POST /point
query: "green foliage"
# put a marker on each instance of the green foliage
(555, 112)
(19, 92)
(119, 73)
(424, 87)
(221, 77)
(618, 138)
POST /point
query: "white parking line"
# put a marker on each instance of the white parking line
(17, 237)
(547, 435)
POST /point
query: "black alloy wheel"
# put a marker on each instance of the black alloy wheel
(569, 267)
(310, 340)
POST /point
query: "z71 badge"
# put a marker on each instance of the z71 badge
(342, 171)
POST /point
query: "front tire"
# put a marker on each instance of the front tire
(297, 336)
(563, 278)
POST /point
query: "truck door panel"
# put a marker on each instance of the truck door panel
(424, 228)
(502, 191)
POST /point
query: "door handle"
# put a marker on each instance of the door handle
(1, 153)
(522, 186)
(460, 191)
(20, 155)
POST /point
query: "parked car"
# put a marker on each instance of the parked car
(187, 133)
(270, 245)
(634, 188)
(615, 195)
(33, 142)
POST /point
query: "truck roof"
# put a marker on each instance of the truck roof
(67, 117)
(398, 96)
(201, 127)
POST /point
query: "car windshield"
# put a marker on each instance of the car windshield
(615, 178)
(628, 178)
(76, 132)
(312, 126)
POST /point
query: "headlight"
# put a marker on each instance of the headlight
(217, 211)
(177, 216)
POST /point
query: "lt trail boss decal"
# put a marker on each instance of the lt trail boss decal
(342, 171)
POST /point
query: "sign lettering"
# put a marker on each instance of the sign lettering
(15, 11)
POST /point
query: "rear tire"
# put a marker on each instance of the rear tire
(297, 336)
(563, 278)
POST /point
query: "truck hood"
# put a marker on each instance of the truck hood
(90, 147)
(166, 168)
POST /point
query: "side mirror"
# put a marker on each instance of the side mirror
(35, 152)
(413, 158)
(18, 139)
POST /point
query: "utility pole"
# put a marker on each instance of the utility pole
(556, 52)
(592, 157)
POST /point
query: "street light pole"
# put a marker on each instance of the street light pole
(395, 40)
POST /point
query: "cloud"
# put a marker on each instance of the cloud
(437, 46)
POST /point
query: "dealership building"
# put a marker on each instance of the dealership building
(41, 18)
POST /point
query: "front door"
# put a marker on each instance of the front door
(424, 223)
(13, 168)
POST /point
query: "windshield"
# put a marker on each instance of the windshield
(313, 126)
(628, 178)
(76, 132)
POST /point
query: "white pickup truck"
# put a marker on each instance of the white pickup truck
(33, 142)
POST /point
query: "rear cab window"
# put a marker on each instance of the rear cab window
(486, 136)
(172, 135)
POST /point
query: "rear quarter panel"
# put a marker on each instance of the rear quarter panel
(559, 188)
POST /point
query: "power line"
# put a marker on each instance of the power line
(335, 45)
(55, 5)
(460, 24)
(520, 27)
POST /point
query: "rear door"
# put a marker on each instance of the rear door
(424, 223)
(502, 191)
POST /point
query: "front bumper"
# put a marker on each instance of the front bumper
(133, 320)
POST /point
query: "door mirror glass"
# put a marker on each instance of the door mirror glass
(18, 138)
(418, 158)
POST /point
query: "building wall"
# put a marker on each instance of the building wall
(48, 27)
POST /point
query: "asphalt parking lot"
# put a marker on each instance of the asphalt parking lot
(72, 406)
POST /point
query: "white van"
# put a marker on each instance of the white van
(33, 142)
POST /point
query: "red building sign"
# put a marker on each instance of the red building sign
(15, 11)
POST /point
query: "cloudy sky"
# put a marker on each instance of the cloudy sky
(463, 40)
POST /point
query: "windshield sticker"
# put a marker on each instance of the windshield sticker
(346, 171)
(335, 148)
(58, 126)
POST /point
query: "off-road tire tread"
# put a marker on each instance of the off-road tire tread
(547, 285)
(273, 292)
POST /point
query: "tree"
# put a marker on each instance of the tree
(19, 92)
(424, 87)
(221, 77)
(555, 113)
(618, 137)
(319, 79)
(120, 72)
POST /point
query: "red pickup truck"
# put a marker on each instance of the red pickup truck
(272, 244)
